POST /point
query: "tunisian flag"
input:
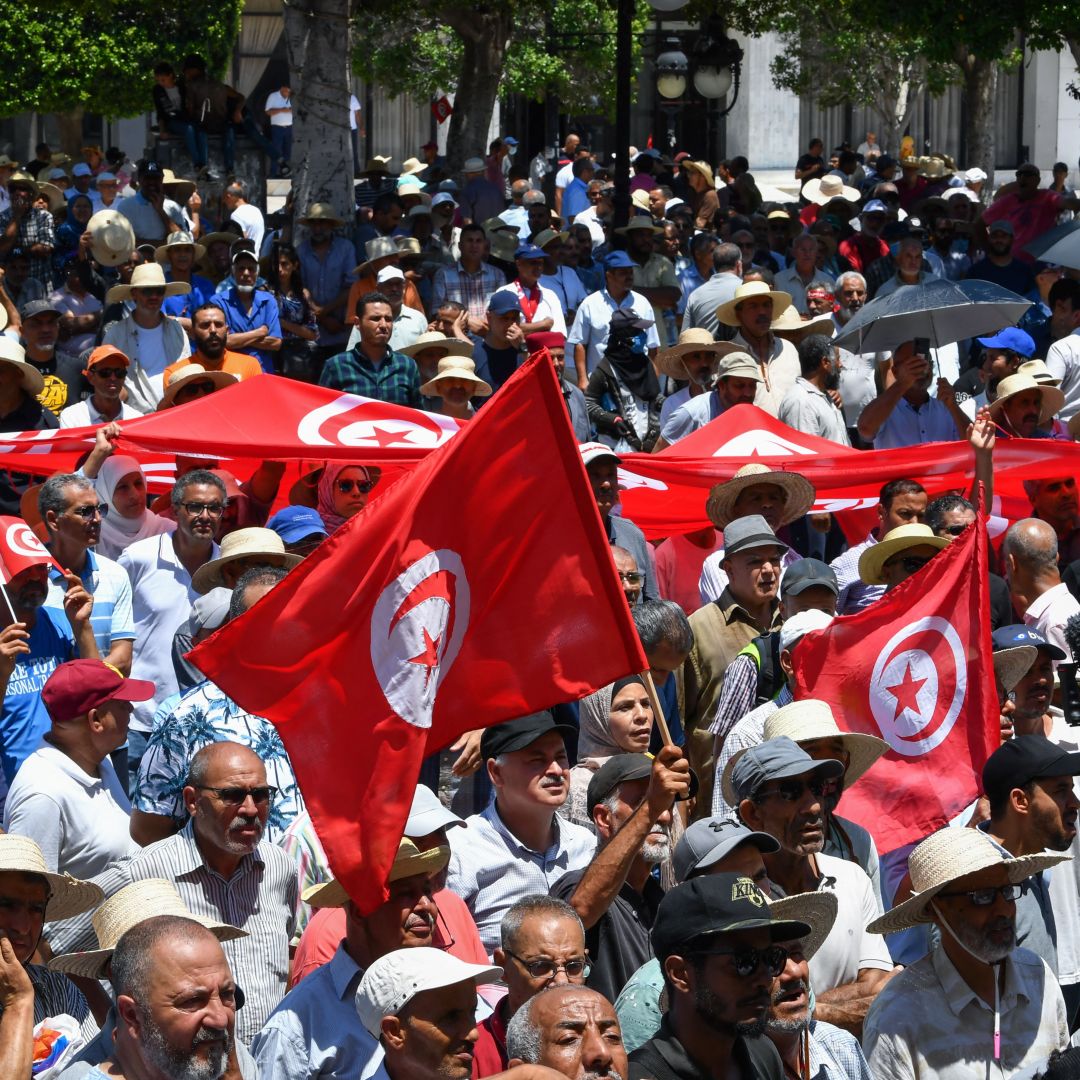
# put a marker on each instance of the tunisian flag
(915, 670)
(479, 587)
(20, 549)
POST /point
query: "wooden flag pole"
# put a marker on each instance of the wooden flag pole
(657, 708)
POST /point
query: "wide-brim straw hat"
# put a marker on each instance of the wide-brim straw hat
(892, 543)
(322, 212)
(726, 312)
(178, 240)
(432, 339)
(799, 493)
(817, 909)
(669, 361)
(809, 719)
(1052, 399)
(702, 167)
(1011, 665)
(640, 223)
(12, 353)
(112, 239)
(68, 896)
(147, 276)
(945, 857)
(243, 544)
(133, 904)
(411, 166)
(55, 196)
(1038, 370)
(823, 188)
(380, 247)
(176, 187)
(456, 367)
(410, 860)
(190, 373)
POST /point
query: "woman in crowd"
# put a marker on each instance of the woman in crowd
(79, 211)
(299, 329)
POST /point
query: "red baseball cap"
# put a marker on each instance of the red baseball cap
(78, 686)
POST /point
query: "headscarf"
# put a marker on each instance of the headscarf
(69, 231)
(331, 518)
(595, 741)
(117, 531)
(628, 356)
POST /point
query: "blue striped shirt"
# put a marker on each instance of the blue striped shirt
(107, 582)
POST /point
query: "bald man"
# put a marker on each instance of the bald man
(1030, 554)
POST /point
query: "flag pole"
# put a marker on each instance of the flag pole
(657, 708)
(14, 617)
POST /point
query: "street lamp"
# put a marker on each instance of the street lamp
(717, 66)
(671, 70)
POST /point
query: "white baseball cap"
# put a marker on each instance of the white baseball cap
(393, 980)
(802, 623)
(594, 451)
(428, 814)
(389, 273)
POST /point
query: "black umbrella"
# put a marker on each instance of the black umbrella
(941, 311)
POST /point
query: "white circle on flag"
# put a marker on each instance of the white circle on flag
(21, 540)
(352, 421)
(918, 685)
(417, 626)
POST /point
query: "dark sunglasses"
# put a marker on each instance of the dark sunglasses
(747, 961)
(543, 968)
(110, 372)
(237, 796)
(88, 512)
(985, 897)
(362, 486)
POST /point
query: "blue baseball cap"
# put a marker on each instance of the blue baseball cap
(502, 303)
(510, 140)
(1010, 637)
(875, 206)
(618, 260)
(1010, 338)
(529, 251)
(294, 523)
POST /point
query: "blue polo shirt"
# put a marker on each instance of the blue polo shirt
(181, 307)
(264, 312)
(107, 582)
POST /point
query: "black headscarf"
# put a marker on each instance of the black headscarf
(629, 358)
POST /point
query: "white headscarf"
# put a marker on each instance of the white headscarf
(117, 531)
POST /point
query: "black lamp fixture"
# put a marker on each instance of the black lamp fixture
(717, 65)
(672, 69)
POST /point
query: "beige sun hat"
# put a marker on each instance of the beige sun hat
(823, 188)
(640, 199)
(410, 860)
(130, 906)
(702, 167)
(791, 325)
(380, 247)
(892, 543)
(243, 544)
(68, 896)
(1038, 370)
(178, 188)
(639, 223)
(817, 909)
(947, 856)
(1011, 665)
(1052, 399)
(112, 239)
(456, 367)
(190, 373)
(52, 193)
(11, 352)
(178, 239)
(696, 339)
(321, 211)
(411, 166)
(146, 276)
(799, 493)
(726, 312)
(739, 364)
(432, 339)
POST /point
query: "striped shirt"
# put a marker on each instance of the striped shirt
(855, 594)
(56, 994)
(472, 291)
(260, 897)
(107, 582)
(835, 1054)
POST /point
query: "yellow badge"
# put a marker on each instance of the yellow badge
(745, 889)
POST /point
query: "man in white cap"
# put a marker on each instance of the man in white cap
(977, 1005)
(409, 323)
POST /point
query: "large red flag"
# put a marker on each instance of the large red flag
(915, 670)
(477, 588)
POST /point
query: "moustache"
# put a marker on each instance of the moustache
(212, 1035)
(416, 920)
(789, 992)
(552, 781)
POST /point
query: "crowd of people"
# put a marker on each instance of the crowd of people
(595, 895)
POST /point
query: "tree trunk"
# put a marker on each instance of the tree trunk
(485, 39)
(71, 131)
(980, 90)
(317, 39)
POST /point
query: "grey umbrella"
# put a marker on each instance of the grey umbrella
(1045, 241)
(942, 311)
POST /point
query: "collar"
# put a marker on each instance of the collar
(627, 299)
(190, 857)
(90, 568)
(733, 611)
(1042, 603)
(344, 972)
(810, 388)
(959, 995)
(491, 812)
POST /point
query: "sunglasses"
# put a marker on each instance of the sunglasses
(542, 968)
(88, 512)
(631, 577)
(985, 897)
(195, 509)
(237, 796)
(747, 961)
(110, 372)
(362, 486)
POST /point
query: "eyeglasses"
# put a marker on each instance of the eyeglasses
(362, 486)
(985, 897)
(88, 512)
(110, 372)
(631, 577)
(792, 791)
(747, 961)
(237, 796)
(199, 388)
(214, 509)
(542, 968)
(953, 530)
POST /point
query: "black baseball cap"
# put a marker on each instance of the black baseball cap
(517, 734)
(150, 168)
(716, 904)
(1022, 759)
(627, 319)
(38, 307)
(808, 574)
(620, 768)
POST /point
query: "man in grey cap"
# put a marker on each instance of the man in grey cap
(747, 607)
(64, 380)
(780, 791)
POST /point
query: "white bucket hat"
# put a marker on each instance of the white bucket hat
(112, 239)
(822, 189)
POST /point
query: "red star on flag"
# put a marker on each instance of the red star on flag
(906, 692)
(429, 658)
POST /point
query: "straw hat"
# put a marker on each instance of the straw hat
(67, 895)
(639, 223)
(11, 352)
(821, 189)
(432, 339)
(456, 367)
(1051, 397)
(112, 239)
(219, 237)
(243, 544)
(381, 247)
(892, 543)
(818, 909)
(799, 493)
(410, 860)
(376, 166)
(1038, 370)
(726, 312)
(147, 276)
(130, 906)
(178, 239)
(669, 361)
(176, 187)
(56, 198)
(945, 857)
(1011, 665)
(321, 211)
(305, 492)
(411, 166)
(190, 373)
(23, 179)
(702, 167)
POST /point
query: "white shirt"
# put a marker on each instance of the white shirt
(83, 414)
(277, 100)
(593, 319)
(565, 174)
(354, 108)
(161, 599)
(250, 219)
(1050, 612)
(1063, 362)
(714, 580)
(672, 402)
(79, 821)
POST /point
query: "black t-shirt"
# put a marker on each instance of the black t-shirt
(1017, 276)
(1001, 607)
(28, 416)
(65, 383)
(618, 942)
(663, 1057)
(808, 160)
